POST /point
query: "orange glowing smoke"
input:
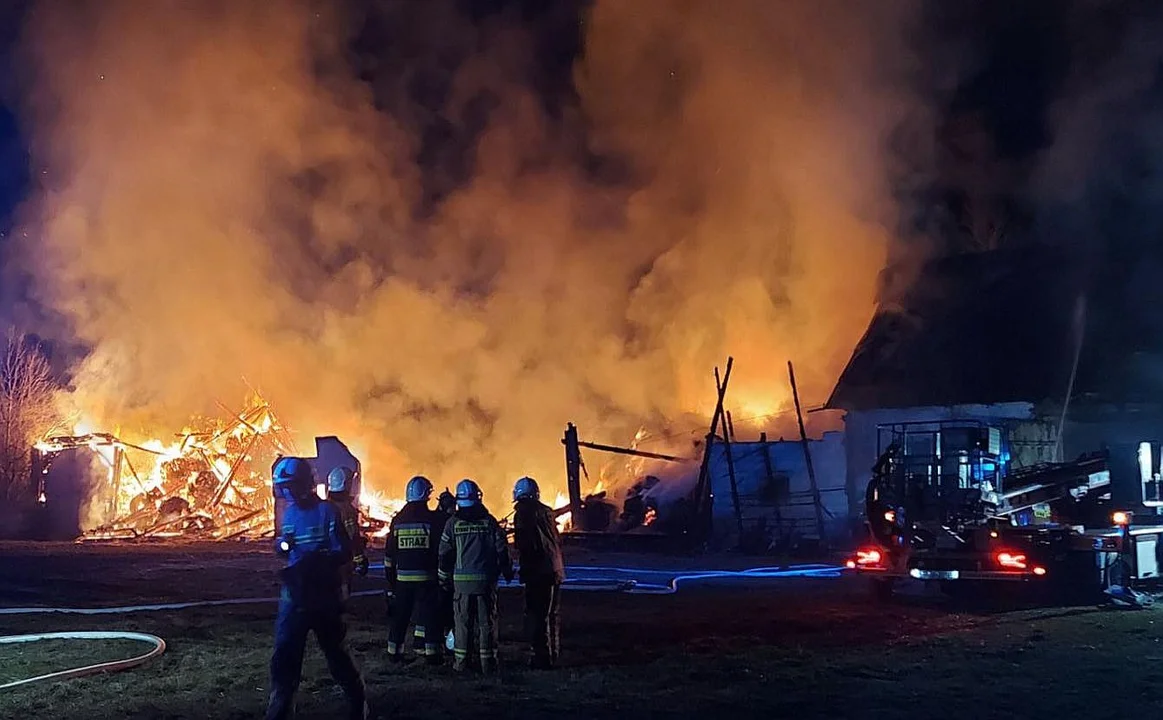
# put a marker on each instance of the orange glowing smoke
(215, 207)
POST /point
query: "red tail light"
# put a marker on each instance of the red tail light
(868, 556)
(1011, 560)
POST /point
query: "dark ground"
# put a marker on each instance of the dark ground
(792, 648)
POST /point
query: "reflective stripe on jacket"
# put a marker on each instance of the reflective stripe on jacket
(473, 551)
(413, 538)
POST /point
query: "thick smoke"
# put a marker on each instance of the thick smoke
(222, 203)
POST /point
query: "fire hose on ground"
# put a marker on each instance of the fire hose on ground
(159, 647)
(608, 579)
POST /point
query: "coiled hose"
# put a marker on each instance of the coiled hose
(159, 647)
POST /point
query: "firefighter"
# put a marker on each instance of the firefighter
(473, 555)
(542, 571)
(446, 506)
(316, 548)
(339, 485)
(410, 563)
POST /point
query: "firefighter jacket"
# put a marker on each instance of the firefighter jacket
(538, 543)
(349, 515)
(473, 552)
(413, 538)
(317, 547)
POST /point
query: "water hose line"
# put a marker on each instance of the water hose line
(607, 579)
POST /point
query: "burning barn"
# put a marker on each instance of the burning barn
(758, 496)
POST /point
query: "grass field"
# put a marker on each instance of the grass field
(795, 649)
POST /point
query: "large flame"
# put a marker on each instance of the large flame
(222, 196)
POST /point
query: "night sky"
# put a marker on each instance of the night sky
(995, 71)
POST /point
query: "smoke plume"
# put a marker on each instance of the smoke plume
(223, 201)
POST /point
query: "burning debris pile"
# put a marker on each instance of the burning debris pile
(633, 492)
(213, 483)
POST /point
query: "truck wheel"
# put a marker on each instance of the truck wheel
(882, 589)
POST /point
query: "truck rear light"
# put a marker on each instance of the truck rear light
(1014, 561)
(851, 564)
(1039, 571)
(868, 556)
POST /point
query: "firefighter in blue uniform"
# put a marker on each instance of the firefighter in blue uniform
(339, 486)
(473, 555)
(316, 547)
(542, 571)
(410, 564)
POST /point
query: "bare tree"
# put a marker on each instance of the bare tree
(27, 412)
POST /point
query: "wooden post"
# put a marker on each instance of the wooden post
(573, 475)
(115, 480)
(807, 456)
(771, 479)
(702, 488)
(727, 433)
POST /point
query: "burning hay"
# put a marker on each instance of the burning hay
(212, 483)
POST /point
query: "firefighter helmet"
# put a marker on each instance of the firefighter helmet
(419, 489)
(468, 493)
(293, 478)
(339, 480)
(526, 489)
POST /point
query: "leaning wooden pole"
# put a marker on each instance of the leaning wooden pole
(728, 431)
(702, 488)
(795, 393)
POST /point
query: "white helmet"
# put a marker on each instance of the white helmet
(339, 480)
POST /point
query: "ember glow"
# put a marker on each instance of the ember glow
(562, 500)
(225, 202)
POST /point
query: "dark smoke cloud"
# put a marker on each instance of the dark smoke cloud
(228, 194)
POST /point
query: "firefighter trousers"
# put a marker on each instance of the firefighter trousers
(415, 600)
(293, 625)
(542, 621)
(476, 617)
(445, 614)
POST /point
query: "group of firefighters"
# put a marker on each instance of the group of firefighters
(442, 564)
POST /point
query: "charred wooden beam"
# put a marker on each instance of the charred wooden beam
(703, 512)
(728, 433)
(630, 451)
(573, 473)
(795, 393)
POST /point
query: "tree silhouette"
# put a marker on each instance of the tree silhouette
(27, 412)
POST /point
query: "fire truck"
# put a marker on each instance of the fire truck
(944, 505)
